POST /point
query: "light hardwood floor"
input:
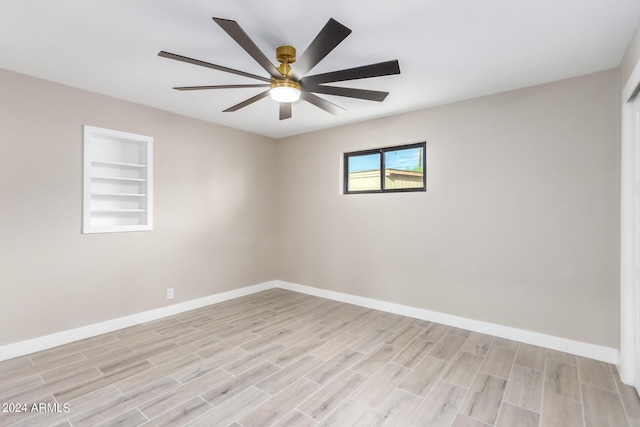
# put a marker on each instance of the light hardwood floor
(285, 359)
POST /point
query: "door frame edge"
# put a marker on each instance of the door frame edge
(628, 296)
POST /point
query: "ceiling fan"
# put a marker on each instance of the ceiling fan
(286, 84)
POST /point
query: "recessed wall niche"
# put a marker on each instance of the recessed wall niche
(118, 181)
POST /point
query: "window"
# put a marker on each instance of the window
(386, 170)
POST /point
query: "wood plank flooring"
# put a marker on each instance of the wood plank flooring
(279, 358)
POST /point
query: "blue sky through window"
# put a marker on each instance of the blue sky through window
(407, 159)
(364, 163)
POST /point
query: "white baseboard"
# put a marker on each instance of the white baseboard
(21, 348)
(591, 351)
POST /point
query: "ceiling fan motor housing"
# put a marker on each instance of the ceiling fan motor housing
(285, 55)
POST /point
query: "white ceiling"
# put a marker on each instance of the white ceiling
(448, 50)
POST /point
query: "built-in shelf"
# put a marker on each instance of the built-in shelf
(118, 181)
(128, 165)
(117, 210)
(117, 195)
(119, 178)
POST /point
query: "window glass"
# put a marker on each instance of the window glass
(403, 168)
(364, 172)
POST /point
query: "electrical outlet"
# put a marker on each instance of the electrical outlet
(170, 293)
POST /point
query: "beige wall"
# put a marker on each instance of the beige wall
(519, 225)
(214, 215)
(631, 57)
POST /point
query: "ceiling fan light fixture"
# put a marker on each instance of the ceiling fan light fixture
(285, 91)
(284, 82)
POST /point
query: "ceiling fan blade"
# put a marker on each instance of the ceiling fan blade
(218, 87)
(181, 58)
(327, 106)
(369, 95)
(331, 35)
(249, 101)
(285, 110)
(364, 72)
(237, 33)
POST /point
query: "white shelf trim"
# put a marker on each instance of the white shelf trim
(119, 178)
(117, 210)
(119, 194)
(129, 165)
